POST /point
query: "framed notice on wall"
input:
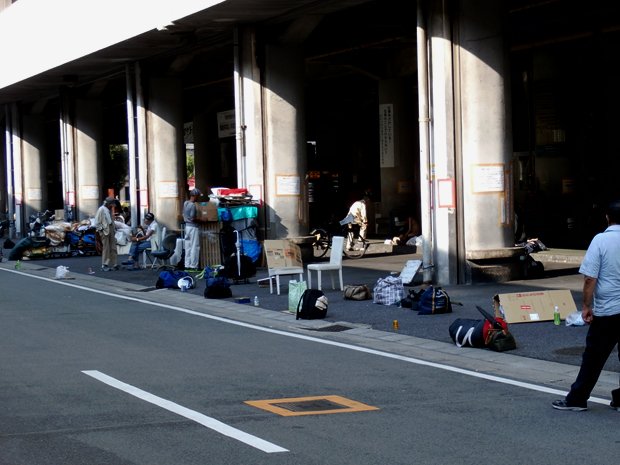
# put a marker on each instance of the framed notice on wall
(386, 135)
(168, 189)
(288, 184)
(90, 192)
(446, 197)
(488, 178)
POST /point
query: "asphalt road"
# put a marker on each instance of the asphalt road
(92, 376)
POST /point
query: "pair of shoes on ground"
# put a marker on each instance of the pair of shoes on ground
(563, 405)
(110, 268)
(131, 265)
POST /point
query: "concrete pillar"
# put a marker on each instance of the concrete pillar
(486, 142)
(166, 168)
(88, 157)
(17, 167)
(443, 163)
(249, 116)
(34, 168)
(470, 138)
(3, 154)
(67, 157)
(285, 143)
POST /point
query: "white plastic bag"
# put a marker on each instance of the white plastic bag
(295, 291)
(61, 272)
(575, 319)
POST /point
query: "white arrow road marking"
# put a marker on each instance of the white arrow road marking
(204, 420)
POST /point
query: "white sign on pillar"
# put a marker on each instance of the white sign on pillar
(386, 135)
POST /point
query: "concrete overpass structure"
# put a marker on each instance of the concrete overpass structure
(445, 109)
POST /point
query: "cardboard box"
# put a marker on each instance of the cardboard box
(206, 211)
(525, 307)
(282, 254)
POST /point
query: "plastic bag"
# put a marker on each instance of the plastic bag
(61, 272)
(295, 291)
(575, 319)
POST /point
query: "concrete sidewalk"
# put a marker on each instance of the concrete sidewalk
(546, 354)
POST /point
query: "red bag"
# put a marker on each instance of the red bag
(489, 325)
(233, 191)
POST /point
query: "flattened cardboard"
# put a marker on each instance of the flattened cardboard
(410, 270)
(527, 307)
(282, 254)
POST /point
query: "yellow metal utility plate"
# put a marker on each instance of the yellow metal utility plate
(316, 405)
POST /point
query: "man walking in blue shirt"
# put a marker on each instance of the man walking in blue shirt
(601, 310)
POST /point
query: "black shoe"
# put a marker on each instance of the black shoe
(563, 405)
(106, 268)
(133, 268)
(116, 267)
(128, 262)
(614, 406)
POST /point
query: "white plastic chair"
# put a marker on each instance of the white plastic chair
(334, 265)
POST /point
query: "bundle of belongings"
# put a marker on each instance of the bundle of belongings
(312, 305)
(57, 239)
(491, 332)
(217, 284)
(429, 301)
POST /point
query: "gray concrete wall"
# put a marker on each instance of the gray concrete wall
(166, 167)
(88, 138)
(34, 168)
(285, 143)
(399, 184)
(486, 133)
(3, 191)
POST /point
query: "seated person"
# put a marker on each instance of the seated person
(413, 230)
(141, 240)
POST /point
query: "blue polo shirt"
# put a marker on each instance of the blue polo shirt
(602, 261)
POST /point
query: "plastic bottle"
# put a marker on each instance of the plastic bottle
(395, 325)
(556, 316)
(18, 265)
(256, 302)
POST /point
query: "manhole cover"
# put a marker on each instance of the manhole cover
(331, 329)
(314, 405)
(309, 405)
(570, 351)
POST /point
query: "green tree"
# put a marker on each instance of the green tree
(115, 170)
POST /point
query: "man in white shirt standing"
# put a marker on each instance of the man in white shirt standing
(104, 225)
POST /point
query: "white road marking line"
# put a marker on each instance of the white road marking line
(498, 379)
(204, 420)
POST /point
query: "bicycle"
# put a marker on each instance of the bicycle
(354, 245)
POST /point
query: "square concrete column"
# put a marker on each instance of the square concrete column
(166, 160)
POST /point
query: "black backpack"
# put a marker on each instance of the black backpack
(217, 287)
(307, 308)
